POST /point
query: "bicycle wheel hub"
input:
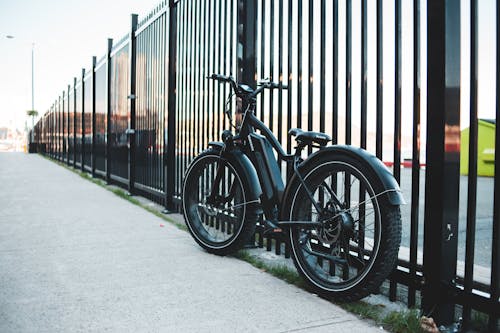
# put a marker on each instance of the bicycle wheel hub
(335, 224)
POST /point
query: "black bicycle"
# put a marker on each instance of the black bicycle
(339, 210)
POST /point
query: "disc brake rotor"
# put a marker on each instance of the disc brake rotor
(334, 225)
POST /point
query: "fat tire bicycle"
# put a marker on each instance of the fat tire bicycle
(339, 211)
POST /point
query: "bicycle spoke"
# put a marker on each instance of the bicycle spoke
(339, 258)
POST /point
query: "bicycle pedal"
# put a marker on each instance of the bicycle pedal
(271, 228)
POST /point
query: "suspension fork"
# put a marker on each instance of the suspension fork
(213, 197)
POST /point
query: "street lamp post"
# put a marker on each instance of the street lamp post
(32, 76)
(31, 113)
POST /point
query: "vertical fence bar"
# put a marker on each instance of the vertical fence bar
(280, 94)
(189, 77)
(92, 149)
(132, 59)
(322, 79)
(56, 129)
(108, 110)
(67, 122)
(398, 85)
(415, 174)
(171, 92)
(182, 91)
(204, 110)
(51, 131)
(262, 53)
(289, 96)
(472, 167)
(271, 65)
(48, 120)
(82, 126)
(397, 114)
(280, 74)
(495, 251)
(64, 127)
(443, 159)
(198, 79)
(74, 122)
(290, 83)
(59, 129)
(310, 83)
(380, 84)
(299, 64)
(335, 84)
(348, 69)
(247, 33)
(211, 66)
(364, 72)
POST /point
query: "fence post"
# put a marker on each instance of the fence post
(246, 53)
(171, 112)
(131, 103)
(59, 131)
(247, 38)
(443, 160)
(92, 149)
(82, 126)
(68, 144)
(108, 110)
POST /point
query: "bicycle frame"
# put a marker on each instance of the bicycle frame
(258, 148)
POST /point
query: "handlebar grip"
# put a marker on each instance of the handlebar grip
(219, 77)
(277, 85)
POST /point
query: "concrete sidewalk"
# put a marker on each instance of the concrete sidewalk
(75, 257)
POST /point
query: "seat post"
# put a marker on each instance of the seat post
(298, 150)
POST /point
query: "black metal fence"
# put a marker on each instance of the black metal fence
(144, 110)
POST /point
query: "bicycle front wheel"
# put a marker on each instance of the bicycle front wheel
(355, 247)
(218, 216)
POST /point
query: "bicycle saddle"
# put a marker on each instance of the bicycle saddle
(308, 137)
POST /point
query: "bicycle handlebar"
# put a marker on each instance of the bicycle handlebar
(263, 84)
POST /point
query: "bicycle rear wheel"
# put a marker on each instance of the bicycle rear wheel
(356, 247)
(221, 220)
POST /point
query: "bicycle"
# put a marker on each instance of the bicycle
(339, 210)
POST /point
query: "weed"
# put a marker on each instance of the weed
(364, 310)
(403, 321)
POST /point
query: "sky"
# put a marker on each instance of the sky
(65, 34)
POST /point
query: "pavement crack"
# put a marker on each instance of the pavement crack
(316, 326)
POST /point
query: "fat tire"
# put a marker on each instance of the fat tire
(390, 237)
(249, 219)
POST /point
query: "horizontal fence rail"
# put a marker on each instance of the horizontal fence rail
(356, 70)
